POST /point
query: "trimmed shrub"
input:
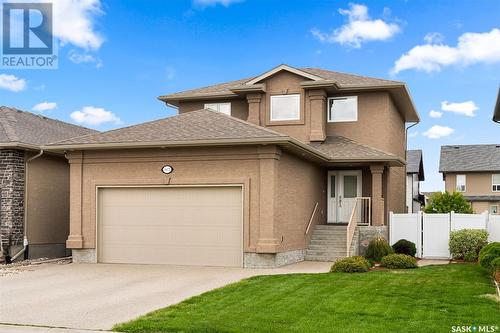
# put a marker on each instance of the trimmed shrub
(466, 243)
(404, 246)
(495, 267)
(489, 253)
(356, 264)
(448, 202)
(377, 249)
(398, 260)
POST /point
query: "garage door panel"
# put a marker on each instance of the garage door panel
(171, 225)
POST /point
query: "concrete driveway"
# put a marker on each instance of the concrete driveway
(97, 296)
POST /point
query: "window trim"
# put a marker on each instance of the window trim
(298, 102)
(493, 184)
(491, 210)
(465, 183)
(328, 109)
(218, 107)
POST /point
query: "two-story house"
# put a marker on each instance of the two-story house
(474, 171)
(246, 173)
(414, 175)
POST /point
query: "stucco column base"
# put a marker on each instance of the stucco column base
(377, 199)
(378, 212)
(317, 98)
(74, 242)
(269, 245)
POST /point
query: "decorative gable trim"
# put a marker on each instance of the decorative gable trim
(283, 68)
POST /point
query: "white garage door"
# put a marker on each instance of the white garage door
(171, 225)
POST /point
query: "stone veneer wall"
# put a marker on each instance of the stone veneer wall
(12, 169)
(367, 233)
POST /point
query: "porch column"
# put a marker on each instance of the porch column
(268, 241)
(75, 238)
(317, 99)
(254, 108)
(377, 200)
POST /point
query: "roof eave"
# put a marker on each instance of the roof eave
(187, 97)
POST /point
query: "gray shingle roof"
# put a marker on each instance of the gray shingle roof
(414, 163)
(470, 158)
(489, 198)
(340, 78)
(26, 128)
(343, 149)
(187, 127)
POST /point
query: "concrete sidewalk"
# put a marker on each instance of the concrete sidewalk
(38, 329)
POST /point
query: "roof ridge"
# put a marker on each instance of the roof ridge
(349, 74)
(9, 130)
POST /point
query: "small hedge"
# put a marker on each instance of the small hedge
(466, 243)
(377, 249)
(356, 264)
(404, 246)
(488, 254)
(495, 267)
(398, 261)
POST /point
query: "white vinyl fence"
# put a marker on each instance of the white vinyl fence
(431, 232)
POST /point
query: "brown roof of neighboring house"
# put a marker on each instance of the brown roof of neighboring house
(207, 127)
(339, 148)
(27, 130)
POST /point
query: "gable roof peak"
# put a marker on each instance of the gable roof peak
(283, 67)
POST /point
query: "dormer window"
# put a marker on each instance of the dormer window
(342, 109)
(219, 107)
(285, 107)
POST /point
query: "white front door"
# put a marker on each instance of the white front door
(343, 188)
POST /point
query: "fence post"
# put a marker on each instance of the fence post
(391, 219)
(486, 221)
(419, 233)
(452, 221)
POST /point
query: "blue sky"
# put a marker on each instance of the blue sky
(117, 56)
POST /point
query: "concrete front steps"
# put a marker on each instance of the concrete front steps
(328, 243)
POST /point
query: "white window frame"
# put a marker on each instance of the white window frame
(297, 101)
(329, 113)
(217, 107)
(496, 208)
(459, 189)
(495, 187)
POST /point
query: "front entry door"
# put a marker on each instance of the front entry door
(343, 188)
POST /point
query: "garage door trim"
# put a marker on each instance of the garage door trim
(241, 186)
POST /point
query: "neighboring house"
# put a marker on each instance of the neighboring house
(245, 174)
(496, 111)
(34, 185)
(414, 175)
(474, 171)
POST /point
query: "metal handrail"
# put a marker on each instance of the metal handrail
(312, 218)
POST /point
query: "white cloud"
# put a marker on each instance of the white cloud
(435, 114)
(208, 3)
(91, 115)
(44, 106)
(12, 83)
(472, 48)
(79, 58)
(467, 108)
(433, 38)
(437, 131)
(360, 28)
(74, 23)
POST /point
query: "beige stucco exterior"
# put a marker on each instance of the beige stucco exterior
(477, 184)
(47, 204)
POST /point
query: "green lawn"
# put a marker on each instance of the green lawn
(428, 299)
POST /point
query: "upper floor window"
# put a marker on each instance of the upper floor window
(219, 107)
(285, 107)
(495, 183)
(342, 109)
(461, 179)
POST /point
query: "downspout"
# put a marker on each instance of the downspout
(25, 248)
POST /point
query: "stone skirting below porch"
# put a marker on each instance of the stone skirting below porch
(367, 233)
(271, 260)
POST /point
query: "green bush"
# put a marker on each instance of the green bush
(495, 264)
(377, 249)
(448, 202)
(488, 254)
(466, 243)
(404, 246)
(356, 264)
(398, 260)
